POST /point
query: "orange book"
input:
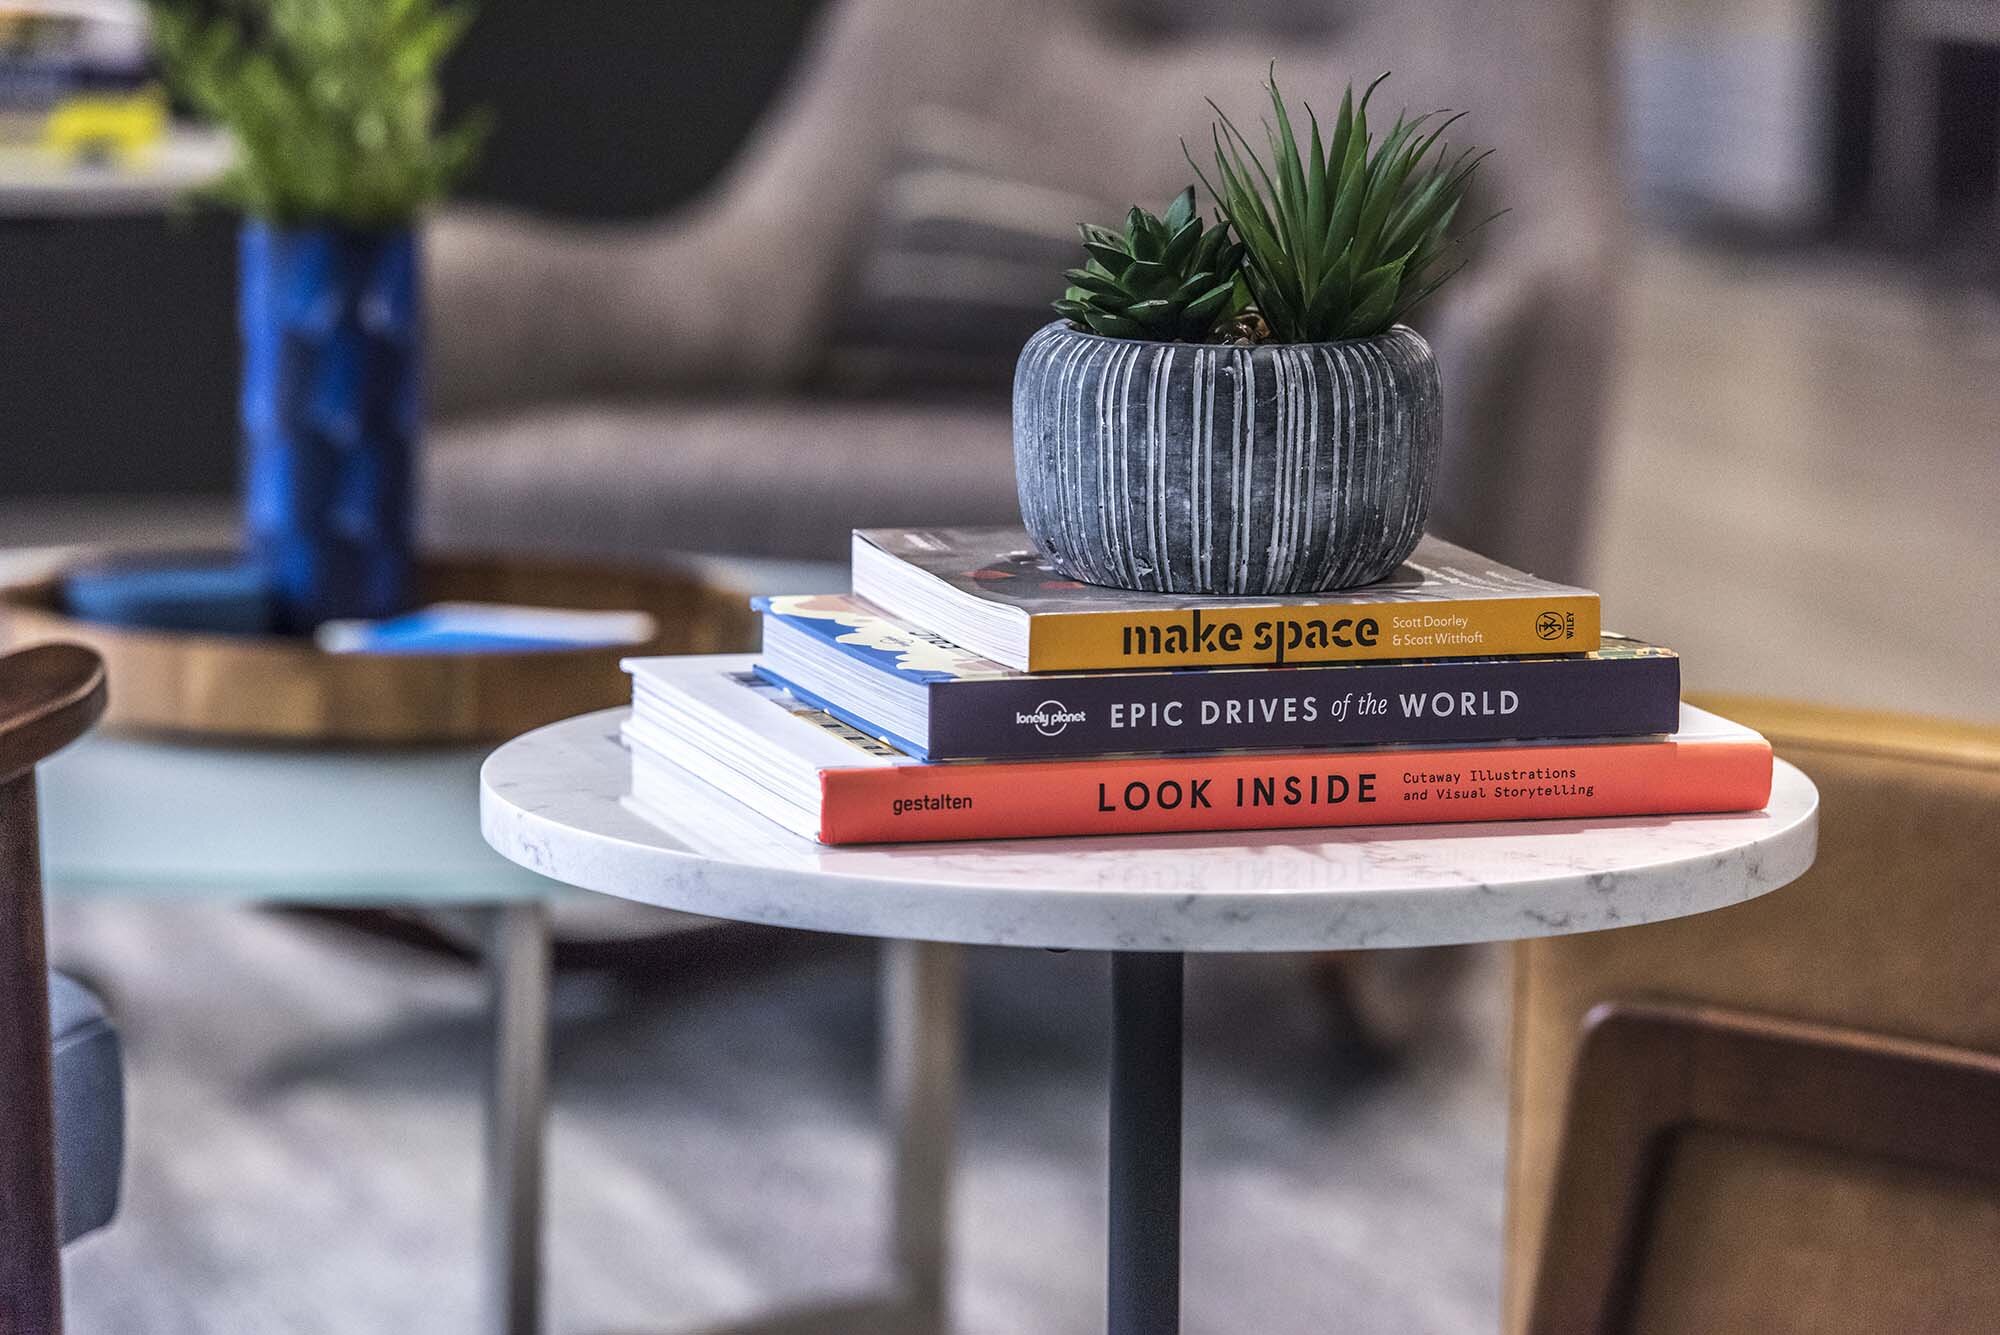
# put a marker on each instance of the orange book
(816, 775)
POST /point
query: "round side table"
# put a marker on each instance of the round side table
(557, 800)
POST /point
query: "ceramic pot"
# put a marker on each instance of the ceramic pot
(331, 410)
(1205, 468)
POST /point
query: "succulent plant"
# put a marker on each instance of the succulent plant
(1165, 278)
(1341, 240)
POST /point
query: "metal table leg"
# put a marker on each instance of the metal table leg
(517, 970)
(1144, 1272)
(921, 1040)
(922, 988)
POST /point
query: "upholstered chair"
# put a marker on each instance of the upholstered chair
(826, 338)
(1784, 1116)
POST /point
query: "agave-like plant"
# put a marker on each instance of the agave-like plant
(1340, 240)
(1165, 278)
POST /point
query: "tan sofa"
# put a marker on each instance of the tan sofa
(1894, 936)
(826, 339)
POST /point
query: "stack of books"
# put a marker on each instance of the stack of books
(967, 691)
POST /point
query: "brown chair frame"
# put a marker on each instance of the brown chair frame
(49, 696)
(1647, 1072)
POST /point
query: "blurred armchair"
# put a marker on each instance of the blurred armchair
(826, 340)
(1780, 1117)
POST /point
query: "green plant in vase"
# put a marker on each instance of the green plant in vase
(334, 109)
(333, 104)
(1251, 417)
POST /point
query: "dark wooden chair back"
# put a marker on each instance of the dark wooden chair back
(1650, 1077)
(49, 696)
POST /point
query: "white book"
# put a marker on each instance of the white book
(712, 717)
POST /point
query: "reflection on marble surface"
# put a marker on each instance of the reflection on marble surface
(558, 801)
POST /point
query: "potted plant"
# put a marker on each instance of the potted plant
(333, 105)
(1235, 408)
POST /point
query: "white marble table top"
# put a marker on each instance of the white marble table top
(557, 801)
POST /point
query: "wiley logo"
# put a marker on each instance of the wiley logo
(1556, 625)
(1049, 717)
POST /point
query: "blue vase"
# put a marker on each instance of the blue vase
(332, 405)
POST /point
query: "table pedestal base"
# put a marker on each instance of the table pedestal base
(1144, 1275)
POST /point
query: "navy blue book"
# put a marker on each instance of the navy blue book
(935, 701)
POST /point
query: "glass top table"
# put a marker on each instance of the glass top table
(164, 818)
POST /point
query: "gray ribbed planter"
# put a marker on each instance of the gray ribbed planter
(1203, 468)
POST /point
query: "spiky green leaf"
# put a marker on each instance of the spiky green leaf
(1112, 325)
(1339, 234)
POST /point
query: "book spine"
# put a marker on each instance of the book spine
(1138, 796)
(1490, 700)
(1263, 635)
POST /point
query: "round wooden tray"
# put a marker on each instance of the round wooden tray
(273, 689)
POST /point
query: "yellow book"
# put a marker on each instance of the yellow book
(118, 123)
(988, 591)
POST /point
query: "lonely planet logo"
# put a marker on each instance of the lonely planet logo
(1050, 717)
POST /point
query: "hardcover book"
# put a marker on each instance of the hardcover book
(990, 591)
(936, 701)
(809, 772)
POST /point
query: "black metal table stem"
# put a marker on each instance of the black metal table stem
(1144, 1292)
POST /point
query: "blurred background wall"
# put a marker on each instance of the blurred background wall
(1801, 407)
(618, 108)
(1727, 110)
(1755, 120)
(1762, 115)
